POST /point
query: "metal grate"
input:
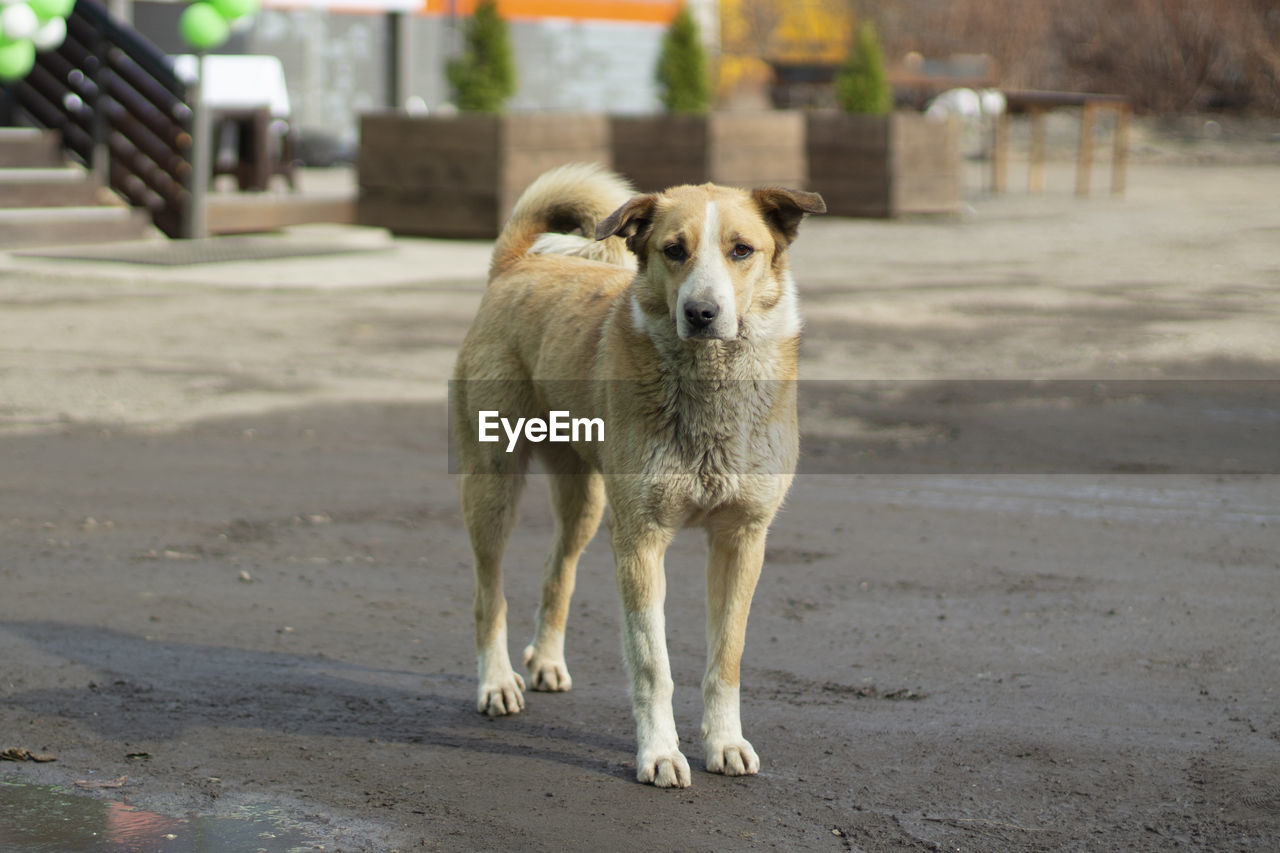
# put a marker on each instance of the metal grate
(213, 250)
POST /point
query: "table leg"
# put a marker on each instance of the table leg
(1084, 166)
(1000, 154)
(1035, 179)
(1120, 151)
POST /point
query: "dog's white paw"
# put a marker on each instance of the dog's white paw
(501, 695)
(545, 672)
(664, 769)
(731, 757)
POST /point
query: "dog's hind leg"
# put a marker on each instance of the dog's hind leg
(489, 505)
(733, 568)
(577, 498)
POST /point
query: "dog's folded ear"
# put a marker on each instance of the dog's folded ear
(783, 209)
(631, 222)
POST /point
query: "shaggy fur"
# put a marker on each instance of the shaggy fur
(686, 348)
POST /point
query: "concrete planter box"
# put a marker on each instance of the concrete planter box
(459, 176)
(738, 149)
(883, 166)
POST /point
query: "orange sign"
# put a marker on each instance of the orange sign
(640, 11)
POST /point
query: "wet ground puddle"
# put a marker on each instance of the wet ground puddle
(53, 819)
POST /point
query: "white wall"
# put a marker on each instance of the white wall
(589, 66)
(336, 64)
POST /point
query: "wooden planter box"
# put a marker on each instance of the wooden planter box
(883, 166)
(459, 176)
(738, 149)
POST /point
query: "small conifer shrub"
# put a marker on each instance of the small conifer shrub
(484, 76)
(682, 67)
(862, 86)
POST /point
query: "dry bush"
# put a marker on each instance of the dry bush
(1013, 31)
(1173, 56)
(1169, 56)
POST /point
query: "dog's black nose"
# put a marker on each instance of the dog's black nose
(701, 314)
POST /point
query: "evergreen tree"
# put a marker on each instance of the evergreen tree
(862, 85)
(484, 77)
(682, 67)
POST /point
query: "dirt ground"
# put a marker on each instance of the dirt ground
(996, 615)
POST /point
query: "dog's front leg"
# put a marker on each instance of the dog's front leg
(733, 568)
(642, 582)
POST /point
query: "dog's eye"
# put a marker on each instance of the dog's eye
(742, 251)
(675, 252)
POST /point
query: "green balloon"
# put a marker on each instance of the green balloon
(231, 10)
(16, 59)
(202, 26)
(47, 9)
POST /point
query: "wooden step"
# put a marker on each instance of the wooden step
(51, 187)
(29, 147)
(59, 226)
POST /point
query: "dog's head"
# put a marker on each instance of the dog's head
(711, 257)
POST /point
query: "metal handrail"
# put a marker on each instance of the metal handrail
(122, 111)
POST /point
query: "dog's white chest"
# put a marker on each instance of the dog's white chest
(722, 443)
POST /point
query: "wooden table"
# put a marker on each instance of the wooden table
(1037, 104)
(264, 147)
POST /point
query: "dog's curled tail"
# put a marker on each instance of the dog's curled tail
(558, 213)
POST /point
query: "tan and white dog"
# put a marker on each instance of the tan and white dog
(686, 354)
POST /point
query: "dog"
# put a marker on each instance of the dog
(672, 319)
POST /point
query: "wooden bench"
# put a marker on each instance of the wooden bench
(1037, 104)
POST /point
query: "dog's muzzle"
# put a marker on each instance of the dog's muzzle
(700, 314)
